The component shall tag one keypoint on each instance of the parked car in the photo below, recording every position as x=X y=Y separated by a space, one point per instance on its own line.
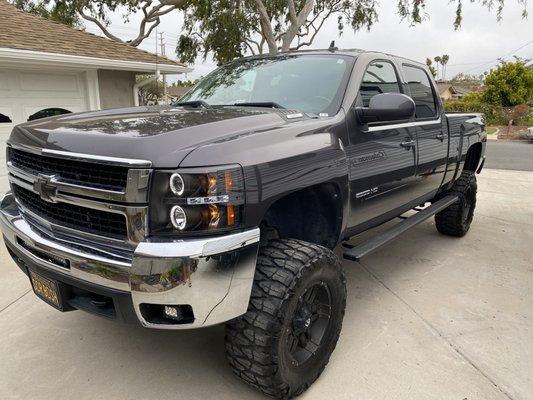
x=225 y=207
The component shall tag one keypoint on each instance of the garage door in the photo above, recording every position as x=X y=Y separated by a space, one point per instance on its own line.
x=24 y=93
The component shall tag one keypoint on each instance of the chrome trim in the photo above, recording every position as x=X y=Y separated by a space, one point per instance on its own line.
x=136 y=190
x=125 y=162
x=403 y=125
x=136 y=216
x=135 y=193
x=89 y=267
x=214 y=275
x=204 y=247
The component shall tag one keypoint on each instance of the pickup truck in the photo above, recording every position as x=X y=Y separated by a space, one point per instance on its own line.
x=225 y=207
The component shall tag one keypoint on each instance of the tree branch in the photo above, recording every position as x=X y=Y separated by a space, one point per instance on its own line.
x=266 y=27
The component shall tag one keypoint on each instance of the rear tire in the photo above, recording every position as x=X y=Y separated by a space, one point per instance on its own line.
x=456 y=219
x=284 y=341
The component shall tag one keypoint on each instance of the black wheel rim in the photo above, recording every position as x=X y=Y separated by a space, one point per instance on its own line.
x=309 y=323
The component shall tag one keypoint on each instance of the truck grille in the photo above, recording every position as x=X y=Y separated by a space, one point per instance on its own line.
x=106 y=177
x=84 y=219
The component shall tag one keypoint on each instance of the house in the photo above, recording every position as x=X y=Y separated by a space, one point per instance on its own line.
x=47 y=68
x=175 y=92
x=447 y=91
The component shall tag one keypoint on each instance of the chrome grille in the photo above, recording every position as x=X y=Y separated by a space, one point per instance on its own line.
x=73 y=216
x=96 y=198
x=106 y=177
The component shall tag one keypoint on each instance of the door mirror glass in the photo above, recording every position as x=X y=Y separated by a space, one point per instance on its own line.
x=387 y=107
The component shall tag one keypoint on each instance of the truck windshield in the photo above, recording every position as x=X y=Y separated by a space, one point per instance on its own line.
x=308 y=83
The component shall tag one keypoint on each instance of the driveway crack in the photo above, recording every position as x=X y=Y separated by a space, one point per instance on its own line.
x=14 y=301
x=436 y=332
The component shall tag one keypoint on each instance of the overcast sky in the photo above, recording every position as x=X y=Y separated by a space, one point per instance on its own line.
x=472 y=49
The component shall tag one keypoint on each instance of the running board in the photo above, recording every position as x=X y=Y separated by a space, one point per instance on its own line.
x=355 y=253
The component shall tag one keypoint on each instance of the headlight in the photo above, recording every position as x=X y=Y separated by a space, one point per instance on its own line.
x=196 y=200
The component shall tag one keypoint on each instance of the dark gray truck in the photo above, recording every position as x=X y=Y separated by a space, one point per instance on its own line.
x=225 y=207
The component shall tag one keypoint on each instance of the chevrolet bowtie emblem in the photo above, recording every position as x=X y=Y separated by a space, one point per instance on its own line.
x=45 y=188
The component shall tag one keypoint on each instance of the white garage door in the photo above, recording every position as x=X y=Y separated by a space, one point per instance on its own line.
x=26 y=92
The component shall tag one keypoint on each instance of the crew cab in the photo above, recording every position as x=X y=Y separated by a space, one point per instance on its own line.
x=225 y=207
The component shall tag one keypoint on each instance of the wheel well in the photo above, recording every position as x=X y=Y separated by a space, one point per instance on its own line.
x=312 y=214
x=472 y=157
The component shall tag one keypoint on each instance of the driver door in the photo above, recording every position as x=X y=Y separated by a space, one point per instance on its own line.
x=381 y=157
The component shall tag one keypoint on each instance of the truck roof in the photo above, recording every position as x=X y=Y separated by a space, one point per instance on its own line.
x=345 y=52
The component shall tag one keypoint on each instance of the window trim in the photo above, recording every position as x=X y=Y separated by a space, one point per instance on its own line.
x=438 y=110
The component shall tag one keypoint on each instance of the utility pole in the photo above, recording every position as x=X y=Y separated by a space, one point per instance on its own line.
x=162 y=41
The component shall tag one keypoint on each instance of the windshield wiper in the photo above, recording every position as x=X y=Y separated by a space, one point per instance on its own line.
x=192 y=103
x=267 y=104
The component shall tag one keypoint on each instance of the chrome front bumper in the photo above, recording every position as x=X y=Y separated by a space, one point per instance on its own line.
x=213 y=275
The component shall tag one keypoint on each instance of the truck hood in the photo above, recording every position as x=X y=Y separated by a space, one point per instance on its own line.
x=162 y=135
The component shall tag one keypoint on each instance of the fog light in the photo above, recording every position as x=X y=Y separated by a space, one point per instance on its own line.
x=178 y=217
x=172 y=312
x=177 y=185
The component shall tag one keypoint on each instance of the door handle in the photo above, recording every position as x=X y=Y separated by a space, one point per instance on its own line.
x=440 y=136
x=408 y=144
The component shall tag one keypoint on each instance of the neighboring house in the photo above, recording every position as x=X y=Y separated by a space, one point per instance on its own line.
x=447 y=91
x=47 y=68
x=175 y=92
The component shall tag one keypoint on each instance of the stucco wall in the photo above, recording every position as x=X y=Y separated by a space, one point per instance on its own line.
x=116 y=88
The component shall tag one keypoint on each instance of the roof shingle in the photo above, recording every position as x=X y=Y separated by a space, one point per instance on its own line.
x=23 y=31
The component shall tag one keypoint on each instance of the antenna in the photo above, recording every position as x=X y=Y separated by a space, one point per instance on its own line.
x=332 y=46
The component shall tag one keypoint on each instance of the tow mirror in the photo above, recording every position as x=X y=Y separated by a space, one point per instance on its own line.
x=387 y=107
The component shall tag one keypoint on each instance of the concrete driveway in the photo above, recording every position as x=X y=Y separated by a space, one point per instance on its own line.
x=428 y=317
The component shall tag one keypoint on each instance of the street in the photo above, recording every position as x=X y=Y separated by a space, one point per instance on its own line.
x=506 y=154
x=428 y=317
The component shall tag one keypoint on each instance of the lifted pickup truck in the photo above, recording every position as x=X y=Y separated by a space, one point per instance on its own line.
x=225 y=207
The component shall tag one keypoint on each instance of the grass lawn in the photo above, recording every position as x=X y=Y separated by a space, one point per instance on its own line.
x=491 y=130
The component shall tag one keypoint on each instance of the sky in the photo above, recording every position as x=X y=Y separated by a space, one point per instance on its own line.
x=473 y=49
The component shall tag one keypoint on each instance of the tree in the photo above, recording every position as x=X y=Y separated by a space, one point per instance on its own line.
x=74 y=12
x=433 y=70
x=152 y=92
x=438 y=60
x=231 y=28
x=58 y=11
x=444 y=60
x=510 y=84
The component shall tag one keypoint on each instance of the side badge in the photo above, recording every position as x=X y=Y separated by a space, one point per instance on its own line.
x=366 y=193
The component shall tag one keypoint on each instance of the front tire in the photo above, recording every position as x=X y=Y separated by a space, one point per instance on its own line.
x=456 y=219
x=284 y=341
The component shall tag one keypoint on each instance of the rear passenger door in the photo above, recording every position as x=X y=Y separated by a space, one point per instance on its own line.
x=431 y=129
x=381 y=156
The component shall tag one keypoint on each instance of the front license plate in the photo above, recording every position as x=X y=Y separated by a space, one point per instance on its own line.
x=46 y=289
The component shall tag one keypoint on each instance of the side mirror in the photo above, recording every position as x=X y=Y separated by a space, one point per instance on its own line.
x=387 y=107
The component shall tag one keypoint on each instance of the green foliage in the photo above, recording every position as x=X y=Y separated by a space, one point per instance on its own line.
x=509 y=85
x=505 y=97
x=432 y=69
x=229 y=28
x=224 y=27
x=473 y=102
x=59 y=11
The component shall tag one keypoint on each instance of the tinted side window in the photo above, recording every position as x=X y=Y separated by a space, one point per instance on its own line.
x=421 y=91
x=380 y=77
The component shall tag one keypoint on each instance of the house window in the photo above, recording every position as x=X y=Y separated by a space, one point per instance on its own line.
x=48 y=112
x=4 y=119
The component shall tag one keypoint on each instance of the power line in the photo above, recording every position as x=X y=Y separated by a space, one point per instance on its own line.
x=496 y=59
